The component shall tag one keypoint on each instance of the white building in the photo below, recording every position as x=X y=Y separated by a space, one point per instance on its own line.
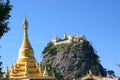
x=70 y=39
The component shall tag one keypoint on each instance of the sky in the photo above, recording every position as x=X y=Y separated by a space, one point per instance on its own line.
x=98 y=20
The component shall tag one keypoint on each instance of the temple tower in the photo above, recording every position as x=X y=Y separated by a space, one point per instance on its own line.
x=26 y=66
x=26 y=52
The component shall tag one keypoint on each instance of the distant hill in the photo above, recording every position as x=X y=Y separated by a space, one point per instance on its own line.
x=73 y=60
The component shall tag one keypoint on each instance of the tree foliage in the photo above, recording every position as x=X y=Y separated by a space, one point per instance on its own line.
x=90 y=60
x=52 y=71
x=53 y=49
x=110 y=73
x=5 y=9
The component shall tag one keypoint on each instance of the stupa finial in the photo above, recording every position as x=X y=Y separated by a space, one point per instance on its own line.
x=25 y=22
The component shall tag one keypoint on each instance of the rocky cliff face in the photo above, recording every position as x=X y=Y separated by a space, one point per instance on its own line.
x=73 y=60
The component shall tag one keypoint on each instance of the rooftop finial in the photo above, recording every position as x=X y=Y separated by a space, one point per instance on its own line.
x=25 y=23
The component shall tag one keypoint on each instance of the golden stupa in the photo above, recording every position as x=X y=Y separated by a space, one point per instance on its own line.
x=26 y=66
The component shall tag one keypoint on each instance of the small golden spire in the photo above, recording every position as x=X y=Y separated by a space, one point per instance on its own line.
x=37 y=65
x=40 y=69
x=12 y=70
x=45 y=73
x=7 y=73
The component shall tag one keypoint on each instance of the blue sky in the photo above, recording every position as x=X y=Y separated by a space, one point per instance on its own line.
x=98 y=20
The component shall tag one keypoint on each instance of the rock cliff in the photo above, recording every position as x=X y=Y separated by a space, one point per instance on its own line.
x=73 y=60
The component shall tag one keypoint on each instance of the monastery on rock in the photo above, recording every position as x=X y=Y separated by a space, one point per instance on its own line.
x=26 y=66
x=68 y=40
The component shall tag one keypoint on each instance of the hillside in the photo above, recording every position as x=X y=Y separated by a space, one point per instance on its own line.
x=73 y=60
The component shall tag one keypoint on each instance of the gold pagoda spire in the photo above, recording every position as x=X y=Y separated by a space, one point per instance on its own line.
x=26 y=67
x=45 y=73
x=7 y=73
x=26 y=50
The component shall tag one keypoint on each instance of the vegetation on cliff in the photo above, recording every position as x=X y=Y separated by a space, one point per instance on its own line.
x=73 y=60
x=52 y=72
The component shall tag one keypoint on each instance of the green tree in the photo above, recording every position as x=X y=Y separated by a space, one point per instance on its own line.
x=91 y=60
x=5 y=9
x=52 y=71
